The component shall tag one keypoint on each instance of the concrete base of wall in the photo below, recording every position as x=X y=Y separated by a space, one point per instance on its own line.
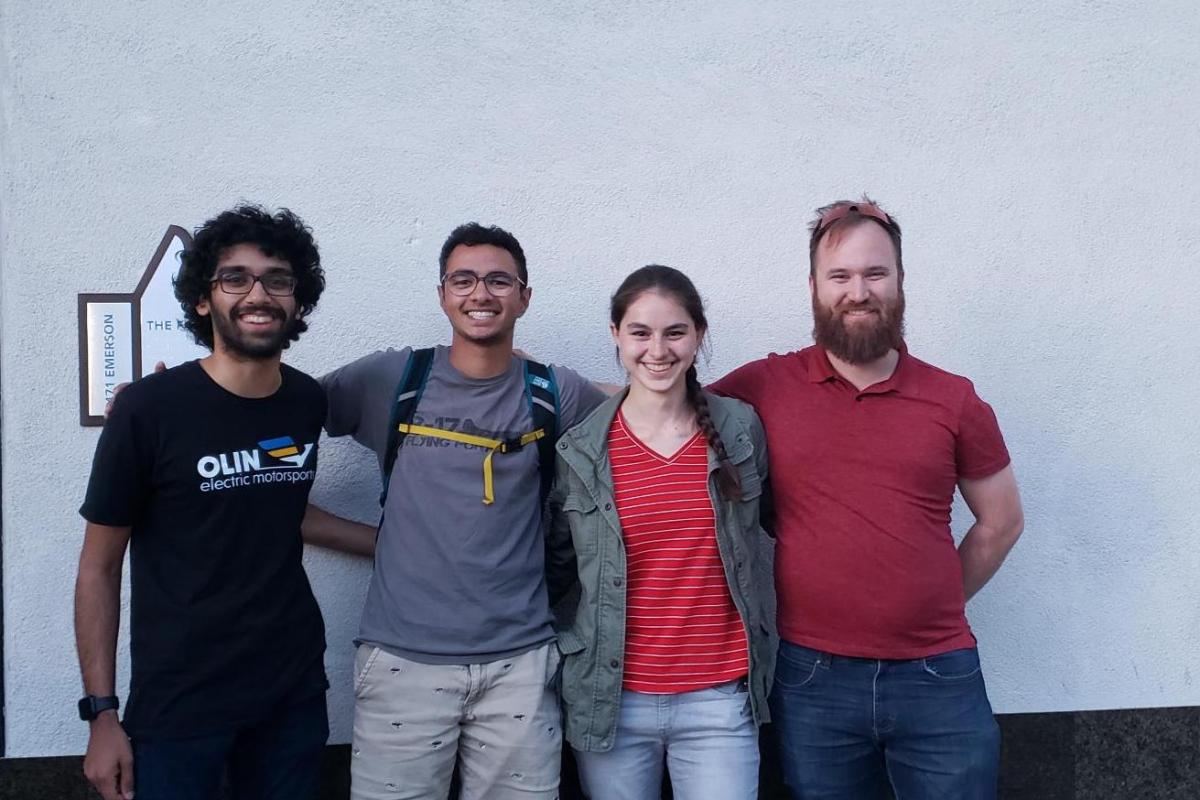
x=1137 y=754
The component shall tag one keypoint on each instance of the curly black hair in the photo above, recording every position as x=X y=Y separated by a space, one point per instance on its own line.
x=281 y=235
x=472 y=233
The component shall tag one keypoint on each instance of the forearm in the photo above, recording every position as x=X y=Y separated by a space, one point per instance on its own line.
x=327 y=530
x=982 y=551
x=97 y=619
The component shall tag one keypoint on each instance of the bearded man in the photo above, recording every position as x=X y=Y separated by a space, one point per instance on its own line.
x=203 y=472
x=878 y=681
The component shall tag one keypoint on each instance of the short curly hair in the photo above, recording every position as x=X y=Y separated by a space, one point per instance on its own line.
x=280 y=235
x=472 y=234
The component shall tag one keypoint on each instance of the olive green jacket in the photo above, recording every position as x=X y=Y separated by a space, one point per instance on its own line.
x=592 y=617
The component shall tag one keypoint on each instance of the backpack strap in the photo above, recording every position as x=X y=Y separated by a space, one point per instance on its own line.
x=542 y=392
x=404 y=406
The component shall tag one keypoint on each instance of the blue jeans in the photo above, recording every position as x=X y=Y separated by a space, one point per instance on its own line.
x=708 y=737
x=850 y=727
x=278 y=759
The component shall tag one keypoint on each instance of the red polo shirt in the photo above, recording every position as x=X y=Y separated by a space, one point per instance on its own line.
x=865 y=564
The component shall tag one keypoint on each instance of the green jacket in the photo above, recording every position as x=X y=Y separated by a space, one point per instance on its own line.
x=592 y=637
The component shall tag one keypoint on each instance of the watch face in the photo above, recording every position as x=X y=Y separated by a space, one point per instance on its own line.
x=91 y=706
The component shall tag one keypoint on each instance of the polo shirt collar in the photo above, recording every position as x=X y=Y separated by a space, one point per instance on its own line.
x=820 y=369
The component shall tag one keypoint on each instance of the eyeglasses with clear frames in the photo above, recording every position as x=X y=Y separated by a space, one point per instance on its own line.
x=276 y=284
x=498 y=284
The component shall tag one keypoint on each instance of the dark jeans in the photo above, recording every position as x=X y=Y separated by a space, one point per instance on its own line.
x=279 y=759
x=850 y=727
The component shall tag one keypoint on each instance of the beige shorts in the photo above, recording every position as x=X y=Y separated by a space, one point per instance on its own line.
x=499 y=722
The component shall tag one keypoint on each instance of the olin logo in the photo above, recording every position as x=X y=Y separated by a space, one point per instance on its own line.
x=237 y=462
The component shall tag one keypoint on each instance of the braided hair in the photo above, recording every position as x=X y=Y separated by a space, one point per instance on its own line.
x=672 y=282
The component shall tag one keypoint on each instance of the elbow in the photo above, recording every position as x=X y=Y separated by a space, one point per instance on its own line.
x=1015 y=527
x=998 y=533
x=1003 y=533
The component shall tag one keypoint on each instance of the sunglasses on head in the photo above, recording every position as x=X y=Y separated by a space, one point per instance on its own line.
x=865 y=209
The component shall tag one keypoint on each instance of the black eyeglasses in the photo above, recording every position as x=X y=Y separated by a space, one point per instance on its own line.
x=498 y=284
x=276 y=284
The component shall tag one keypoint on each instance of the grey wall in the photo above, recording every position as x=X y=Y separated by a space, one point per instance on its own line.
x=1042 y=160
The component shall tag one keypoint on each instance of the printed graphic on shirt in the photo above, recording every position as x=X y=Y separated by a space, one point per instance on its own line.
x=454 y=424
x=277 y=460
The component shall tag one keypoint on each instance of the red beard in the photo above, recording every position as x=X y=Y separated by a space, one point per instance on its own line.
x=865 y=341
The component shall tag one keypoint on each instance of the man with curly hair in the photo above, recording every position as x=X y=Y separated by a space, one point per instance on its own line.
x=203 y=471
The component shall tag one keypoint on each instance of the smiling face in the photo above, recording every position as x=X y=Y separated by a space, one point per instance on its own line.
x=657 y=341
x=858 y=295
x=481 y=317
x=252 y=326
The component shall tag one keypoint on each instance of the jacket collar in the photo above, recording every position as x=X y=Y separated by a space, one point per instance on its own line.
x=590 y=437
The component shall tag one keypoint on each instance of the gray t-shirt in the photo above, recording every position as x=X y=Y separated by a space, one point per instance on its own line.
x=455 y=581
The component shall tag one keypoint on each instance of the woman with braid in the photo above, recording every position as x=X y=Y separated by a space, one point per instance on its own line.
x=666 y=652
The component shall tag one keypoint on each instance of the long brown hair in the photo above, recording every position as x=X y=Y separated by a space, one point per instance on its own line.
x=672 y=282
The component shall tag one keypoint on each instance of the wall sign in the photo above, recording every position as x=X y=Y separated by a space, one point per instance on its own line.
x=121 y=336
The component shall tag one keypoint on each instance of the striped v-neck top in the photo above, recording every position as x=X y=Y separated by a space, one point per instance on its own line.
x=682 y=631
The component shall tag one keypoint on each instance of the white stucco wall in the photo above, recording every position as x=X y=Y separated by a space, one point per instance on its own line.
x=1042 y=159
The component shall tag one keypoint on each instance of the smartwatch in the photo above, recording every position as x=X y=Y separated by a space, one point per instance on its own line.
x=91 y=706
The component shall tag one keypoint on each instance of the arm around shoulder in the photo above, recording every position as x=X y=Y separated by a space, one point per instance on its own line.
x=352 y=388
x=332 y=532
x=578 y=396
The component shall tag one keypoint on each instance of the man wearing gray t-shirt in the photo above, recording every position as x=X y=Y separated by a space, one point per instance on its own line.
x=456 y=657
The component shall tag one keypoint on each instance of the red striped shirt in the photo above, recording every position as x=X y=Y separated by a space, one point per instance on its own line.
x=682 y=630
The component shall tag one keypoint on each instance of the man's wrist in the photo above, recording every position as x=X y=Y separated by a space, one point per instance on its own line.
x=92 y=706
x=106 y=718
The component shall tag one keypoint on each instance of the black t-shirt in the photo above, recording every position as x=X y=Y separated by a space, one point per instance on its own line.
x=224 y=628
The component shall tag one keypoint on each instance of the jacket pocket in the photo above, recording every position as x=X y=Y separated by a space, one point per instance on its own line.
x=750 y=479
x=752 y=489
x=580 y=510
x=579 y=502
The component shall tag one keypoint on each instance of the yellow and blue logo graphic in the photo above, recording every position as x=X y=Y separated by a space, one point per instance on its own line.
x=284 y=448
x=278 y=448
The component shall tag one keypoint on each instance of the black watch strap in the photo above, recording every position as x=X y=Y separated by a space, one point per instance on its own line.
x=91 y=706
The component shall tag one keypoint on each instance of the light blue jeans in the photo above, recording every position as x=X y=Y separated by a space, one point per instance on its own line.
x=708 y=737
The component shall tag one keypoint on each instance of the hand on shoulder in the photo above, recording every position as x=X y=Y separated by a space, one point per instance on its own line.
x=159 y=366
